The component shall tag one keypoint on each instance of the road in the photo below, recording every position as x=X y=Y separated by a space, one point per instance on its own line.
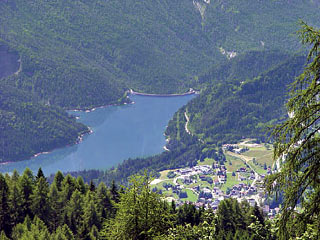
x=187 y=122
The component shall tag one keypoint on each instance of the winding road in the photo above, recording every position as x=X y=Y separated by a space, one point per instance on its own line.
x=187 y=122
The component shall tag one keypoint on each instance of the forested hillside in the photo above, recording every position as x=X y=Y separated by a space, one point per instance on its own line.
x=28 y=127
x=80 y=54
x=242 y=106
x=9 y=61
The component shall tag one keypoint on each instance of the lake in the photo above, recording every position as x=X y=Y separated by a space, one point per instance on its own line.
x=119 y=133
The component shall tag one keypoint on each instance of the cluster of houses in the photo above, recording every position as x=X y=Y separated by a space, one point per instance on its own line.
x=214 y=203
x=234 y=148
x=216 y=175
x=221 y=172
x=243 y=174
x=203 y=171
x=196 y=170
x=212 y=196
x=242 y=190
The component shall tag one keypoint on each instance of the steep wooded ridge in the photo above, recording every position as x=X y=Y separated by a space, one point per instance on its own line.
x=81 y=54
x=244 y=106
x=28 y=127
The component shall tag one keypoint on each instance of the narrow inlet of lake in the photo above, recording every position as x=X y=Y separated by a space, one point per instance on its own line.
x=119 y=133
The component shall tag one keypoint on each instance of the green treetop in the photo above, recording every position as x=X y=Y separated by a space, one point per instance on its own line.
x=297 y=147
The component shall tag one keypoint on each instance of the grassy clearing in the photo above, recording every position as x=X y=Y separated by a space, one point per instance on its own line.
x=258 y=148
x=257 y=153
x=170 y=194
x=267 y=158
x=257 y=168
x=262 y=155
x=163 y=174
x=231 y=180
x=192 y=197
x=160 y=184
x=236 y=163
x=204 y=184
x=207 y=161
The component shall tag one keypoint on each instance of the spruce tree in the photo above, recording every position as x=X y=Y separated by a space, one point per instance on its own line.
x=40 y=174
x=68 y=187
x=40 y=200
x=114 y=192
x=94 y=233
x=91 y=216
x=104 y=204
x=26 y=183
x=58 y=179
x=56 y=206
x=74 y=211
x=4 y=206
x=81 y=185
x=15 y=176
x=15 y=204
x=92 y=187
x=67 y=232
x=140 y=213
x=3 y=236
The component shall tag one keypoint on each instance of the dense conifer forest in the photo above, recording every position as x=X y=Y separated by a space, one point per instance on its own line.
x=28 y=127
x=243 y=104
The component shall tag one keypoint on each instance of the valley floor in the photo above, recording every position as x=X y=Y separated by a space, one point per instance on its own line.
x=207 y=183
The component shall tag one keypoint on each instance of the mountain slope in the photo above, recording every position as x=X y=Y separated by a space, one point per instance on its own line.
x=81 y=54
x=242 y=107
x=27 y=127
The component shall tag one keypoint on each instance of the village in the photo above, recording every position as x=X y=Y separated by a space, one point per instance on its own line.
x=209 y=182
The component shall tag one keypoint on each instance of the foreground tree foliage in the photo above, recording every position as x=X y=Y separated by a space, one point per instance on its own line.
x=31 y=208
x=141 y=214
x=297 y=149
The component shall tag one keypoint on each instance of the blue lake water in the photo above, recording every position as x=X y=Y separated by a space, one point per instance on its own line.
x=119 y=133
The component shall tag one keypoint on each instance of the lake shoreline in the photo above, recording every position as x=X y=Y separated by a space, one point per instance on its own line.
x=79 y=140
x=129 y=94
